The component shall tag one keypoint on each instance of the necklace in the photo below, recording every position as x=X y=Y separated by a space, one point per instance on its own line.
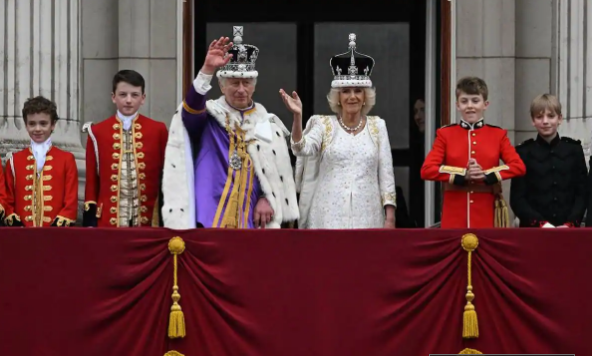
x=351 y=129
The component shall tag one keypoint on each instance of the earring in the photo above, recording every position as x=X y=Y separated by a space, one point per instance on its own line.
x=364 y=104
x=338 y=103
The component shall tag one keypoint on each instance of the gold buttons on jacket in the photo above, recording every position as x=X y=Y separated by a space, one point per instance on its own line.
x=142 y=176
x=114 y=178
x=141 y=165
x=138 y=135
x=143 y=198
x=116 y=137
x=29 y=177
x=144 y=220
x=142 y=187
x=140 y=155
x=139 y=145
x=113 y=199
x=114 y=188
x=116 y=127
x=113 y=221
x=474 y=142
x=138 y=126
x=113 y=210
x=30 y=158
x=472 y=152
x=30 y=167
x=116 y=146
x=28 y=187
x=115 y=155
x=143 y=209
x=29 y=218
x=114 y=166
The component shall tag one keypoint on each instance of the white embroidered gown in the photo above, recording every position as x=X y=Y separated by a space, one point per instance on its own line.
x=355 y=176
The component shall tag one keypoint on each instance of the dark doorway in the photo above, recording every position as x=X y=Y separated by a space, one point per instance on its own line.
x=296 y=43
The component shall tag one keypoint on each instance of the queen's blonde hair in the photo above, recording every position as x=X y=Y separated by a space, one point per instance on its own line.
x=369 y=99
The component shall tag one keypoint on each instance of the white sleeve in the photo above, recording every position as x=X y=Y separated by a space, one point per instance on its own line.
x=311 y=141
x=201 y=83
x=386 y=174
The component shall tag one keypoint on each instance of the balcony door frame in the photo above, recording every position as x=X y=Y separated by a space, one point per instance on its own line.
x=440 y=60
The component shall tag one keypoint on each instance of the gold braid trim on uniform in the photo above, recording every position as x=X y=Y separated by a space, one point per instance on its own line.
x=87 y=204
x=176 y=318
x=463 y=352
x=10 y=219
x=469 y=243
x=497 y=169
x=63 y=221
x=453 y=170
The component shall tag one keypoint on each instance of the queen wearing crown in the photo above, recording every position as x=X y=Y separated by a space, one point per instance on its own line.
x=227 y=163
x=344 y=170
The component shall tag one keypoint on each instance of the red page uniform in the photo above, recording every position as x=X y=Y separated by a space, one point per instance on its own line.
x=41 y=196
x=123 y=172
x=471 y=204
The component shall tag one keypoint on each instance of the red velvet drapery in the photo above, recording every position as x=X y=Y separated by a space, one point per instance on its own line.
x=97 y=292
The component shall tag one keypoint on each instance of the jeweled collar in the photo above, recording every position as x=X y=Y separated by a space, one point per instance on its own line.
x=468 y=126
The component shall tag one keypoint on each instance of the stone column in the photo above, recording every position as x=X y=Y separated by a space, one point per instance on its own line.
x=574 y=68
x=39 y=45
x=534 y=60
x=485 y=47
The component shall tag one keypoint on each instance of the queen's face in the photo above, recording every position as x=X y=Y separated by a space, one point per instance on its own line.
x=352 y=100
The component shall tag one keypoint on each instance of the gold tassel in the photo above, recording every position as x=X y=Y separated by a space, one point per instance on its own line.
x=469 y=243
x=176 y=318
x=502 y=215
x=463 y=352
x=173 y=353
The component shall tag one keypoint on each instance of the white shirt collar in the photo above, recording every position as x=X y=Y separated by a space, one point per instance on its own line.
x=40 y=152
x=126 y=120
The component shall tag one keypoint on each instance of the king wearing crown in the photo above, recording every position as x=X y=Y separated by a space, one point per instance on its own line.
x=227 y=163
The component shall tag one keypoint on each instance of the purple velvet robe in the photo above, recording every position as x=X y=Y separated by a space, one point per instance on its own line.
x=211 y=142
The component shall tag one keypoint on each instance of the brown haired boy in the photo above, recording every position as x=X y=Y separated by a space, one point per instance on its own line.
x=465 y=157
x=41 y=180
x=553 y=192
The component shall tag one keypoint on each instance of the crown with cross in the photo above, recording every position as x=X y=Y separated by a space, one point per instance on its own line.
x=242 y=64
x=351 y=69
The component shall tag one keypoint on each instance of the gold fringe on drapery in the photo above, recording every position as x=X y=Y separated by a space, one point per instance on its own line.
x=469 y=243
x=465 y=352
x=176 y=318
x=173 y=353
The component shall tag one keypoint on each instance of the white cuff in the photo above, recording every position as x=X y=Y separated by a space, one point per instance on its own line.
x=297 y=146
x=201 y=83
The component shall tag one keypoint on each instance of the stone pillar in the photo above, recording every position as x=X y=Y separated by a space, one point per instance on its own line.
x=39 y=44
x=485 y=38
x=534 y=59
x=574 y=68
